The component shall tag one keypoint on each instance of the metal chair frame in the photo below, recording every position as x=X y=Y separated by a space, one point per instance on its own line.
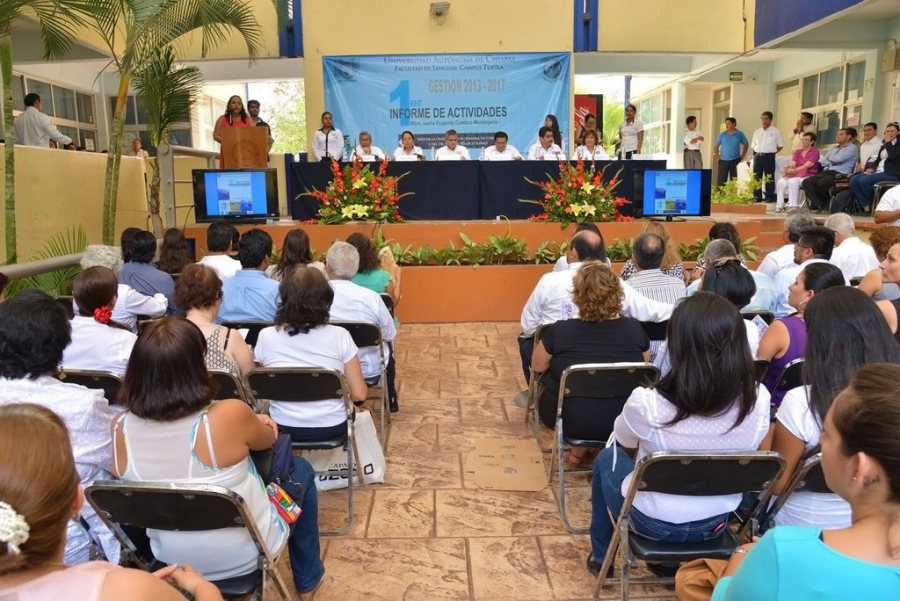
x=106 y=381
x=253 y=329
x=232 y=512
x=230 y=386
x=593 y=387
x=388 y=301
x=808 y=478
x=300 y=394
x=790 y=377
x=534 y=394
x=642 y=480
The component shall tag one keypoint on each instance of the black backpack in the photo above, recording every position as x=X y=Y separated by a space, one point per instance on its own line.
x=843 y=202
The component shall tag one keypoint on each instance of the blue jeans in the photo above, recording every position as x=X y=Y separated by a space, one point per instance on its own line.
x=303 y=545
x=863 y=186
x=607 y=496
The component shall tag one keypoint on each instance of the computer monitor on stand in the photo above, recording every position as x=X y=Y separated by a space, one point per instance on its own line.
x=672 y=194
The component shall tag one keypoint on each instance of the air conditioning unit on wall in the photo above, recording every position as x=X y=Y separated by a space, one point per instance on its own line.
x=891 y=60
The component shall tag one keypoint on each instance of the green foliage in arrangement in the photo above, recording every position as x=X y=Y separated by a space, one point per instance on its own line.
x=733 y=193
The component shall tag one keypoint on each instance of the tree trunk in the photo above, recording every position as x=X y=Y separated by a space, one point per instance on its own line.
x=113 y=161
x=155 y=217
x=10 y=202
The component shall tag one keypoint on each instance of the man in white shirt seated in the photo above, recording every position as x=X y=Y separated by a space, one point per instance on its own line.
x=451 y=150
x=502 y=150
x=870 y=145
x=796 y=222
x=562 y=263
x=218 y=245
x=545 y=149
x=815 y=246
x=724 y=250
x=851 y=255
x=888 y=208
x=355 y=303
x=365 y=151
x=33 y=128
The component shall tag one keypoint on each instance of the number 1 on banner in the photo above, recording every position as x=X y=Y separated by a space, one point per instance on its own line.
x=401 y=94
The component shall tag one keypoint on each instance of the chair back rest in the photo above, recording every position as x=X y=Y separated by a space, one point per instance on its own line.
x=809 y=478
x=766 y=316
x=790 y=377
x=298 y=385
x=388 y=301
x=364 y=333
x=106 y=381
x=703 y=474
x=68 y=303
x=762 y=368
x=656 y=331
x=229 y=385
x=253 y=329
x=855 y=282
x=605 y=380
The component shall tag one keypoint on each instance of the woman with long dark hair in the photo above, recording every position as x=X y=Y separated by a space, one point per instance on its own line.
x=631 y=134
x=235 y=116
x=173 y=255
x=553 y=123
x=709 y=401
x=845 y=331
x=296 y=252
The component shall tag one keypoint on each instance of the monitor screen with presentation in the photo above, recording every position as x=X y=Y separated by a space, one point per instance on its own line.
x=235 y=194
x=672 y=193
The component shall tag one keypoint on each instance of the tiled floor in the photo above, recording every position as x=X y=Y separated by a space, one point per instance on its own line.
x=428 y=533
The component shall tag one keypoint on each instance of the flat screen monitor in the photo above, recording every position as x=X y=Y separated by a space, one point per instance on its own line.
x=241 y=195
x=672 y=193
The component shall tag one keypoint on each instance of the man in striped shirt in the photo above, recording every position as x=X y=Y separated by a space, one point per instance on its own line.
x=647 y=255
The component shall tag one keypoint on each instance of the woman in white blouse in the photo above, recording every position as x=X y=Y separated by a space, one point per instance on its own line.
x=302 y=337
x=98 y=342
x=709 y=401
x=845 y=330
x=591 y=150
x=408 y=151
x=631 y=134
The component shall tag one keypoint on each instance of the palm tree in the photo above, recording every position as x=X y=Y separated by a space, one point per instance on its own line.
x=134 y=29
x=57 y=19
x=169 y=92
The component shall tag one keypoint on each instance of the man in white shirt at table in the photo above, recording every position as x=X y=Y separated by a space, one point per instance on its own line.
x=355 y=303
x=328 y=141
x=33 y=128
x=502 y=150
x=451 y=150
x=794 y=225
x=851 y=255
x=545 y=149
x=365 y=151
x=765 y=144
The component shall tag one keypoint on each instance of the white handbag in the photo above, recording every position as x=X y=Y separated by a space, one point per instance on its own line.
x=369 y=461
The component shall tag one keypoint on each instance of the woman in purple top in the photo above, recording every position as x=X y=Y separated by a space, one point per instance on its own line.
x=804 y=163
x=785 y=340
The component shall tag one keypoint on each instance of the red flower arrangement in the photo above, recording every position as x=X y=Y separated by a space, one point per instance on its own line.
x=359 y=194
x=579 y=195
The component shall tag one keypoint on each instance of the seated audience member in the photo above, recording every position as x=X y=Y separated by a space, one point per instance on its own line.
x=39 y=493
x=851 y=255
x=173 y=253
x=370 y=274
x=502 y=150
x=709 y=401
x=355 y=303
x=451 y=150
x=886 y=168
x=98 y=342
x=142 y=275
x=235 y=243
x=671 y=263
x=598 y=335
x=365 y=151
x=891 y=273
x=869 y=147
x=218 y=246
x=873 y=284
x=302 y=337
x=199 y=292
x=859 y=457
x=888 y=208
x=129 y=302
x=172 y=432
x=804 y=163
x=591 y=150
x=545 y=149
x=125 y=240
x=723 y=250
x=296 y=252
x=846 y=331
x=785 y=340
x=815 y=246
x=250 y=295
x=840 y=160
x=719 y=231
x=562 y=263
x=795 y=223
x=34 y=332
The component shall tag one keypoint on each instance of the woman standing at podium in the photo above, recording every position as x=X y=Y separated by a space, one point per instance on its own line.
x=235 y=116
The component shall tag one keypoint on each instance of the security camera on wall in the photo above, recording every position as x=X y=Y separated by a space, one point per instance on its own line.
x=439 y=9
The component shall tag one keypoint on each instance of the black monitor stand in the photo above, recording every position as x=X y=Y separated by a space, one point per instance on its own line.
x=669 y=218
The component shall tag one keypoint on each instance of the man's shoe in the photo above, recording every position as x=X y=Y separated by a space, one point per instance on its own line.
x=523 y=399
x=594 y=566
x=393 y=405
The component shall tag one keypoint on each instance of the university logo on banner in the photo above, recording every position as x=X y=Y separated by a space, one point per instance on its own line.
x=475 y=94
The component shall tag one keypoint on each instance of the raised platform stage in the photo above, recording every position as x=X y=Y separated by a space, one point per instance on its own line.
x=434 y=294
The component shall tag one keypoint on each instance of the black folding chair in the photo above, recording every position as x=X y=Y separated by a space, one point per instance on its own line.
x=855 y=282
x=534 y=392
x=184 y=508
x=656 y=331
x=305 y=385
x=809 y=478
x=68 y=303
x=230 y=386
x=388 y=301
x=610 y=385
x=766 y=316
x=366 y=334
x=762 y=368
x=253 y=329
x=106 y=381
x=790 y=377
x=695 y=474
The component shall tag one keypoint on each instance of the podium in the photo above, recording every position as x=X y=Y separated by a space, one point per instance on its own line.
x=245 y=147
